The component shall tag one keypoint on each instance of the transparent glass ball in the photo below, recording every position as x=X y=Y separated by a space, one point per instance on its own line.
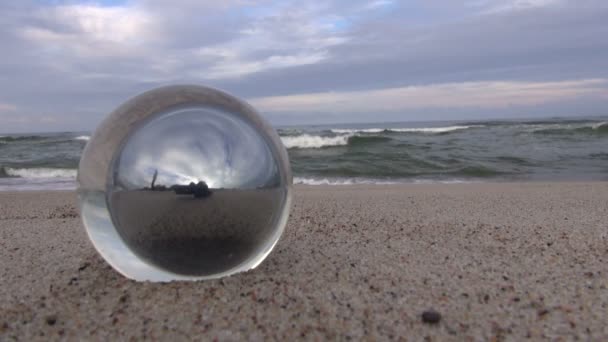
x=184 y=182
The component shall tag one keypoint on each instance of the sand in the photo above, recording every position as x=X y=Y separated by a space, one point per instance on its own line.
x=497 y=261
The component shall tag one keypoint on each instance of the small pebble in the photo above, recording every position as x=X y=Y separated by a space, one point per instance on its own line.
x=542 y=312
x=51 y=320
x=431 y=317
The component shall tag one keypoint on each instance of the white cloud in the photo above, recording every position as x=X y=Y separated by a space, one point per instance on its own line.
x=378 y=3
x=114 y=24
x=281 y=38
x=232 y=65
x=448 y=95
x=91 y=30
x=496 y=6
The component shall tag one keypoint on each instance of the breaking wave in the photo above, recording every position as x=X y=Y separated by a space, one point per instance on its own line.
x=39 y=173
x=21 y=138
x=405 y=130
x=314 y=141
x=346 y=136
x=600 y=128
x=372 y=181
x=41 y=138
x=339 y=181
x=317 y=141
x=344 y=154
x=352 y=131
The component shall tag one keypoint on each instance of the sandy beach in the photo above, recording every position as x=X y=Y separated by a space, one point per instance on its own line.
x=497 y=261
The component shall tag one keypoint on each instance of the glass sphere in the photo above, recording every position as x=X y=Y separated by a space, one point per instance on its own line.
x=184 y=182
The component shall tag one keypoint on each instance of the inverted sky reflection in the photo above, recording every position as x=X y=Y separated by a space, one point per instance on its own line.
x=196 y=144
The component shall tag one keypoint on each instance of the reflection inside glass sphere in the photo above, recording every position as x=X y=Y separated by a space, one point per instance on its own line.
x=200 y=200
x=192 y=191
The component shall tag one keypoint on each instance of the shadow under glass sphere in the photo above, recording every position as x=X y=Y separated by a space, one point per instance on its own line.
x=184 y=182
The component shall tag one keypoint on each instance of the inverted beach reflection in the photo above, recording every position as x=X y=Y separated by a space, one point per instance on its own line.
x=195 y=191
x=181 y=242
x=194 y=236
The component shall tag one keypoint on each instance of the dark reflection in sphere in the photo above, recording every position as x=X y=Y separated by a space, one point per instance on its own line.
x=196 y=185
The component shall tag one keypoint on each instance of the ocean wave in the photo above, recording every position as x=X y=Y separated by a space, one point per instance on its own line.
x=341 y=181
x=367 y=139
x=41 y=138
x=314 y=141
x=601 y=155
x=83 y=138
x=435 y=129
x=529 y=122
x=348 y=136
x=21 y=138
x=40 y=173
x=445 y=181
x=372 y=181
x=289 y=131
x=405 y=130
x=600 y=128
x=352 y=131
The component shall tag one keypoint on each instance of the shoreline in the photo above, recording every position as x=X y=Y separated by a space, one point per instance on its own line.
x=496 y=260
x=381 y=184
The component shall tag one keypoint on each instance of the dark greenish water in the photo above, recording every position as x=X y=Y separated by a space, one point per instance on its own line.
x=559 y=149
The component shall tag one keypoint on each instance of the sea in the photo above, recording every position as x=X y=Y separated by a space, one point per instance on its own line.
x=371 y=153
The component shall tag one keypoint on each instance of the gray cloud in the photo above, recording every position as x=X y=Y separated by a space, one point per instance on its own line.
x=539 y=44
x=65 y=66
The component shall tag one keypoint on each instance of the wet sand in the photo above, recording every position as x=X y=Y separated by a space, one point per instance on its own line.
x=497 y=261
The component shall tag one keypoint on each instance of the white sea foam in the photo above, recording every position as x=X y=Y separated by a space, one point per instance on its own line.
x=435 y=129
x=339 y=181
x=351 y=131
x=406 y=130
x=41 y=173
x=371 y=181
x=314 y=141
x=83 y=138
x=444 y=181
x=317 y=141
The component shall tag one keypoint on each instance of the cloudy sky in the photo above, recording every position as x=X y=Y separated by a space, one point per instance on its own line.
x=66 y=64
